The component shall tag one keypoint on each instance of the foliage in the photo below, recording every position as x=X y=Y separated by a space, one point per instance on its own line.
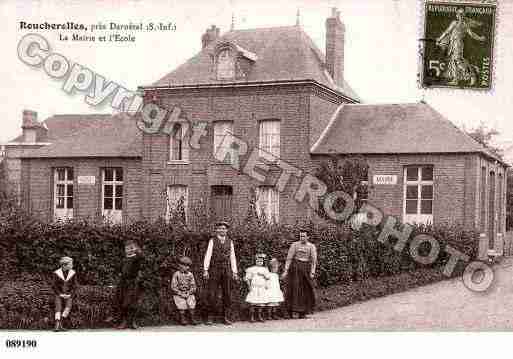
x=485 y=136
x=31 y=249
x=348 y=175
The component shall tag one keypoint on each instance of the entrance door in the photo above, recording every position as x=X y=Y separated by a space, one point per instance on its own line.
x=221 y=203
x=491 y=211
x=63 y=193
x=112 y=194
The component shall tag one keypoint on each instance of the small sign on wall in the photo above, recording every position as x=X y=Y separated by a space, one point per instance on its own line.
x=384 y=179
x=89 y=180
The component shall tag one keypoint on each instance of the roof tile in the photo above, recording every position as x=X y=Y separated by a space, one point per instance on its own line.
x=284 y=53
x=97 y=135
x=393 y=128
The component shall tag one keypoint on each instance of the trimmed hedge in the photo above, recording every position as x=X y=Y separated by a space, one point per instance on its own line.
x=31 y=249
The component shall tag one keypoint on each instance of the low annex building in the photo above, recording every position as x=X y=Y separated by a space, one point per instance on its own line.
x=273 y=88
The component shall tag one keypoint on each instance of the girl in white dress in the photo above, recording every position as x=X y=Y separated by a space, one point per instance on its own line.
x=274 y=293
x=256 y=277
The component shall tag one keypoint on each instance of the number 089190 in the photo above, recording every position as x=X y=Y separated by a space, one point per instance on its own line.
x=19 y=343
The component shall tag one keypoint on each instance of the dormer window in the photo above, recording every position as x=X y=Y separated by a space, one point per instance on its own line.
x=225 y=65
x=232 y=62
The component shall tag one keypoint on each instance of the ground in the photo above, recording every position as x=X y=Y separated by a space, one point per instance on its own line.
x=446 y=305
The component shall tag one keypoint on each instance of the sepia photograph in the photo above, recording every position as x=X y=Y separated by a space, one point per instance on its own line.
x=201 y=170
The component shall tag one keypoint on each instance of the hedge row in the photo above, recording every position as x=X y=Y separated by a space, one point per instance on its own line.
x=31 y=248
x=97 y=249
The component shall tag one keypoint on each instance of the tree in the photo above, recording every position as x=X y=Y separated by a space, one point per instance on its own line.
x=484 y=135
x=348 y=175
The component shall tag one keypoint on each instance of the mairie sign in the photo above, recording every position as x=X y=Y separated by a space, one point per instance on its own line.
x=87 y=180
x=384 y=179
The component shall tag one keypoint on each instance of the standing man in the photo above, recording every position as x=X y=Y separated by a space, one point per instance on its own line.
x=220 y=268
x=300 y=272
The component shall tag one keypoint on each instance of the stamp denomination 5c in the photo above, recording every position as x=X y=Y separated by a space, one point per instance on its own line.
x=459 y=45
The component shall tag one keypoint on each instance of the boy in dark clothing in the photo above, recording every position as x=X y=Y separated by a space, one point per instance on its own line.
x=64 y=284
x=129 y=290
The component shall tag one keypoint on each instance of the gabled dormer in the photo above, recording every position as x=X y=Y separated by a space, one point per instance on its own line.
x=231 y=61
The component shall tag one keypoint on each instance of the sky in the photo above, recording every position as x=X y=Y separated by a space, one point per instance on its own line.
x=381 y=52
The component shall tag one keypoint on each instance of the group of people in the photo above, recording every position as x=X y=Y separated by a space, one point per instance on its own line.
x=219 y=271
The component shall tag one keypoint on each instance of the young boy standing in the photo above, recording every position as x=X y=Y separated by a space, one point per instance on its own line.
x=129 y=290
x=183 y=286
x=64 y=284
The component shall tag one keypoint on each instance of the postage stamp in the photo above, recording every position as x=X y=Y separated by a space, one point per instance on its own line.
x=459 y=41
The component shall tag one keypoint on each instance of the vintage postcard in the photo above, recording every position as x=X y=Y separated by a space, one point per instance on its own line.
x=459 y=45
x=171 y=169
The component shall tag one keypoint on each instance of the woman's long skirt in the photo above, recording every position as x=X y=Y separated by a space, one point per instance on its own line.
x=300 y=289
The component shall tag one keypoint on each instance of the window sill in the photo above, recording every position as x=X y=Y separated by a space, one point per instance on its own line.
x=178 y=162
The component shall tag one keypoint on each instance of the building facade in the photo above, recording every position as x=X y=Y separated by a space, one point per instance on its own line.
x=276 y=91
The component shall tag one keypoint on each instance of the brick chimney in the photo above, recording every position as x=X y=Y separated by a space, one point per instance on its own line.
x=211 y=34
x=335 y=31
x=31 y=128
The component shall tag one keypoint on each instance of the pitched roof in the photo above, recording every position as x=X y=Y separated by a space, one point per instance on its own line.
x=283 y=54
x=90 y=136
x=393 y=128
x=59 y=126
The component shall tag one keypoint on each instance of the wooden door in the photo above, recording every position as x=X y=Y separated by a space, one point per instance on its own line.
x=221 y=203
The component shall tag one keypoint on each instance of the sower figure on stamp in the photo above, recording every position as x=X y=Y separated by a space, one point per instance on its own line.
x=64 y=284
x=220 y=268
x=300 y=272
x=129 y=290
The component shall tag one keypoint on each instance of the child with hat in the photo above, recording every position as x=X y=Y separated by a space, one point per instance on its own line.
x=256 y=277
x=64 y=284
x=183 y=286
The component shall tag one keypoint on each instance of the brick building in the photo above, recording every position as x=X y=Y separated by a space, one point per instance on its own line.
x=275 y=90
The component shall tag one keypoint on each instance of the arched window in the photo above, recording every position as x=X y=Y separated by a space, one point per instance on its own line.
x=178 y=146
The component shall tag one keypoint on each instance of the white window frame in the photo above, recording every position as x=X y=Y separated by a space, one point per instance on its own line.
x=172 y=203
x=225 y=66
x=269 y=133
x=418 y=217
x=221 y=129
x=264 y=203
x=113 y=215
x=184 y=142
x=64 y=213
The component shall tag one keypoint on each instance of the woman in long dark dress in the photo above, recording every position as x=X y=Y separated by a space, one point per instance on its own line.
x=299 y=272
